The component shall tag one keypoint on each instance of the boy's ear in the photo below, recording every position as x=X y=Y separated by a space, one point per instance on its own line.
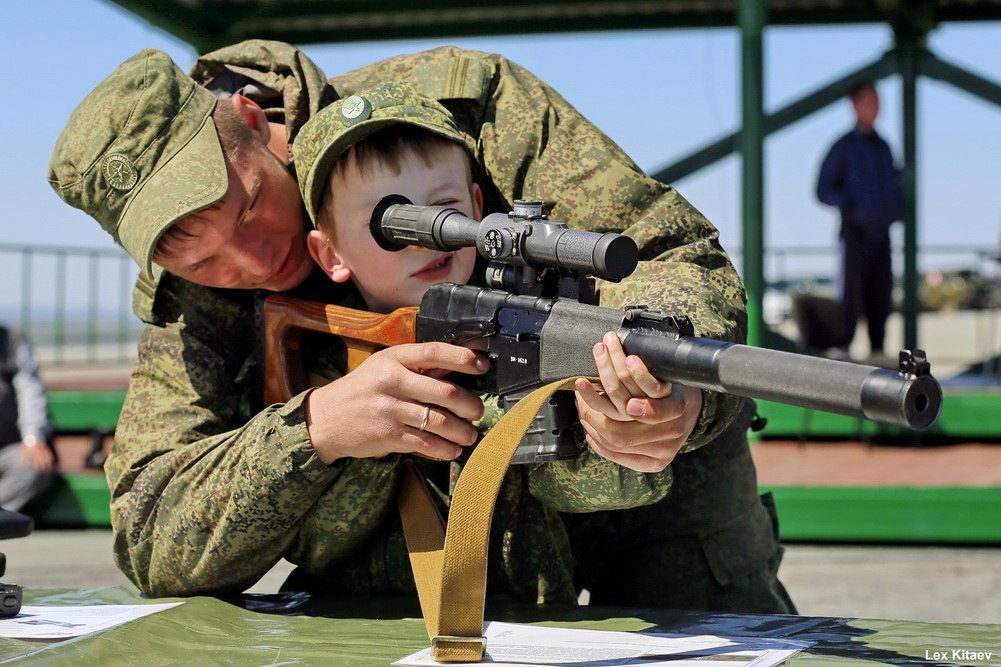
x=477 y=193
x=326 y=256
x=252 y=115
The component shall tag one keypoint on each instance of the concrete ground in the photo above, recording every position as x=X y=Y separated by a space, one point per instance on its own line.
x=961 y=585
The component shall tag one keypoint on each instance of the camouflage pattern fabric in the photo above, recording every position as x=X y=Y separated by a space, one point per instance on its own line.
x=209 y=490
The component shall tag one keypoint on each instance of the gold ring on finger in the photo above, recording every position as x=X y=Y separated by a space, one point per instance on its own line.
x=425 y=415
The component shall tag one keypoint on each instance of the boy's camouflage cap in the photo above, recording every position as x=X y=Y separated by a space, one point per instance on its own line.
x=140 y=153
x=344 y=123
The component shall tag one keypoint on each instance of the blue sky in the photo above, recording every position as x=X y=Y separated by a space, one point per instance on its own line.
x=659 y=94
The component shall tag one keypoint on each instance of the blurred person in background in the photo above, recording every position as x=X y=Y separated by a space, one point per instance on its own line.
x=26 y=459
x=858 y=176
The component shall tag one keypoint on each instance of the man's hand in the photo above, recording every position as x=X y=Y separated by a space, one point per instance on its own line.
x=635 y=420
x=37 y=454
x=379 y=407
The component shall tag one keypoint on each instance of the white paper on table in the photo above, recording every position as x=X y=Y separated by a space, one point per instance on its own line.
x=516 y=645
x=50 y=622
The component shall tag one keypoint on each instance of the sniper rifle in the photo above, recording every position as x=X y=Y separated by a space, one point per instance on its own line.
x=538 y=319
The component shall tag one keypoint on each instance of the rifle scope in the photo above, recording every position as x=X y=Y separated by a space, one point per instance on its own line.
x=522 y=238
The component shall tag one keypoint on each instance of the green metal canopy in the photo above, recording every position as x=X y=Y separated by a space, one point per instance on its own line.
x=209 y=24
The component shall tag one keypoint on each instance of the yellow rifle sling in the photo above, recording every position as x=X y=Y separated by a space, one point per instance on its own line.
x=450 y=564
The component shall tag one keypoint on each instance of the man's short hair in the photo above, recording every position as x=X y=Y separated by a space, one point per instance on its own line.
x=859 y=88
x=234 y=133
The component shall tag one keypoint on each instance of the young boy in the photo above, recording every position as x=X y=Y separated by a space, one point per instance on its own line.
x=411 y=149
x=389 y=140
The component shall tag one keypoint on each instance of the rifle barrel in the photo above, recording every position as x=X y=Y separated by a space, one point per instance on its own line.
x=857 y=390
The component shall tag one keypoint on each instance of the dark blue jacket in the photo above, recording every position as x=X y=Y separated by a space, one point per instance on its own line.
x=859 y=178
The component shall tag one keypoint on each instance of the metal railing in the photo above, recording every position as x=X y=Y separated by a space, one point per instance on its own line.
x=75 y=303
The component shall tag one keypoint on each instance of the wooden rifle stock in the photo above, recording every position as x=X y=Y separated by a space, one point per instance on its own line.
x=285 y=318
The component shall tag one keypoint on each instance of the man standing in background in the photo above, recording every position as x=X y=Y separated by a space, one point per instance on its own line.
x=859 y=177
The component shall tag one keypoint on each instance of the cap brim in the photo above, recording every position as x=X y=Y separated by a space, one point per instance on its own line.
x=316 y=180
x=194 y=178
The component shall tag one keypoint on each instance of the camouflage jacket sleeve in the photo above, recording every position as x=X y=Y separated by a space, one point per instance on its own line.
x=532 y=144
x=207 y=495
x=588 y=483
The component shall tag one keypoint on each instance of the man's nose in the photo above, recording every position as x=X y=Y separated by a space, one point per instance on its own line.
x=253 y=260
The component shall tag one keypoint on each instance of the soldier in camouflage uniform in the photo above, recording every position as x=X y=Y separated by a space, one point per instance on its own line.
x=210 y=489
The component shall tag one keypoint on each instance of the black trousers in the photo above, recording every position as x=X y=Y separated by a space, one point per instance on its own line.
x=866 y=287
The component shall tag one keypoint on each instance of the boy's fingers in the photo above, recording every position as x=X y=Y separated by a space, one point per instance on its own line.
x=589 y=400
x=647 y=384
x=617 y=356
x=611 y=383
x=633 y=461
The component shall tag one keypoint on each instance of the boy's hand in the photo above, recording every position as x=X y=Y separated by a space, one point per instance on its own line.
x=635 y=420
x=378 y=408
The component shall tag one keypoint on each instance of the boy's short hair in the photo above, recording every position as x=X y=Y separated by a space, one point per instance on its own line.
x=345 y=123
x=385 y=149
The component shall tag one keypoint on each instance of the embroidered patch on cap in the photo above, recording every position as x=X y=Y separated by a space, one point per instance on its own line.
x=119 y=172
x=355 y=109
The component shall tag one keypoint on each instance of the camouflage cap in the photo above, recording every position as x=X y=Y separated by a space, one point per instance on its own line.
x=140 y=153
x=344 y=123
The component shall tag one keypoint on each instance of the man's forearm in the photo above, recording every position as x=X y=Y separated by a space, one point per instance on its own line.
x=212 y=514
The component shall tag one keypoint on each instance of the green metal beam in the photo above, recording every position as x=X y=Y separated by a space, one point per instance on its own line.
x=85 y=410
x=193 y=24
x=962 y=417
x=78 y=500
x=958 y=515
x=935 y=68
x=208 y=24
x=752 y=20
x=805 y=106
x=910 y=48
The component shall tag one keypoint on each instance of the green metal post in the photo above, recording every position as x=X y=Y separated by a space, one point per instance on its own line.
x=751 y=19
x=60 y=314
x=92 y=310
x=123 y=301
x=26 y=291
x=808 y=104
x=910 y=50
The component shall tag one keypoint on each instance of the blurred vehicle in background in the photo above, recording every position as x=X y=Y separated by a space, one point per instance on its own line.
x=940 y=289
x=777 y=304
x=958 y=289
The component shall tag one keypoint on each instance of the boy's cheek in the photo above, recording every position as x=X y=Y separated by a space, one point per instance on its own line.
x=466 y=261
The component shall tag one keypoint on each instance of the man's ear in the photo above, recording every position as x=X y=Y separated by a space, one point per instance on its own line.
x=477 y=193
x=252 y=115
x=326 y=256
